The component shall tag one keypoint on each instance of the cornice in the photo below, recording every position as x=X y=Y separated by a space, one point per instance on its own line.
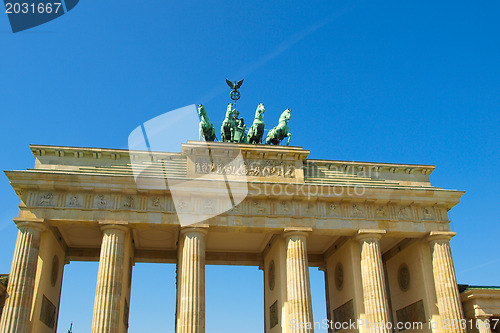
x=247 y=150
x=479 y=293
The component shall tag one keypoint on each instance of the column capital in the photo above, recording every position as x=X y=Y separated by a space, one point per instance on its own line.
x=484 y=316
x=199 y=228
x=37 y=224
x=296 y=231
x=117 y=225
x=440 y=236
x=364 y=234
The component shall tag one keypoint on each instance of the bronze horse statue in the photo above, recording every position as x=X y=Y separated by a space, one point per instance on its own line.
x=207 y=130
x=278 y=133
x=228 y=125
x=256 y=132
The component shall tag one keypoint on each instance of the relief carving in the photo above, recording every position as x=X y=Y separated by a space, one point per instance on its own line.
x=344 y=314
x=413 y=313
x=155 y=202
x=381 y=211
x=209 y=206
x=46 y=199
x=309 y=209
x=259 y=207
x=256 y=168
x=358 y=210
x=101 y=201
x=182 y=205
x=428 y=213
x=273 y=315
x=48 y=313
x=404 y=212
x=333 y=209
x=284 y=208
x=73 y=201
x=129 y=202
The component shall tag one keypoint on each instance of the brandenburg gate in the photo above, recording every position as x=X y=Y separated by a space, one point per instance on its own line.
x=379 y=231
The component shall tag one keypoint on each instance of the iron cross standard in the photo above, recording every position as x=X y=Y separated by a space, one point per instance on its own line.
x=234 y=94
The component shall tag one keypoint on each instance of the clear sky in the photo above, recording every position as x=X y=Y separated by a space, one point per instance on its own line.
x=384 y=81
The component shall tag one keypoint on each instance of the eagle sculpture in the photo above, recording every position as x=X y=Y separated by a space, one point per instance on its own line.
x=234 y=85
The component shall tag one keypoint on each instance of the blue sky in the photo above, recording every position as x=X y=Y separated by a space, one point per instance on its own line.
x=392 y=81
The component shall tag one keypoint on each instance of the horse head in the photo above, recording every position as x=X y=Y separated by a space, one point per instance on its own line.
x=201 y=110
x=259 y=113
x=286 y=115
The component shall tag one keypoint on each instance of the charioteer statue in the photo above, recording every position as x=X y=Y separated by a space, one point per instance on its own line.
x=233 y=127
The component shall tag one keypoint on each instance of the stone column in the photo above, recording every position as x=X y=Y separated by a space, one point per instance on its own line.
x=17 y=309
x=297 y=281
x=109 y=280
x=445 y=281
x=483 y=324
x=373 y=281
x=191 y=281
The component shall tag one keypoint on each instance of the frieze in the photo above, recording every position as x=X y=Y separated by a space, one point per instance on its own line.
x=283 y=207
x=250 y=167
